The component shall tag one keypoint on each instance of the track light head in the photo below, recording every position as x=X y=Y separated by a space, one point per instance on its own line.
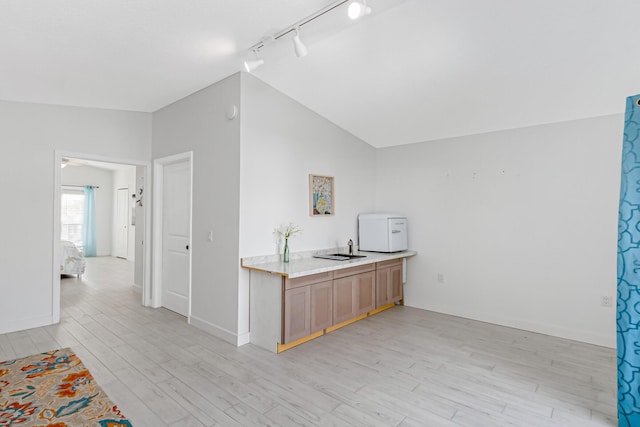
x=299 y=47
x=358 y=9
x=252 y=64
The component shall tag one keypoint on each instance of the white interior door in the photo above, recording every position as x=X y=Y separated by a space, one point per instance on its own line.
x=176 y=236
x=121 y=231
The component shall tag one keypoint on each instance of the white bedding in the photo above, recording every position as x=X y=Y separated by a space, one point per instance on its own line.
x=71 y=260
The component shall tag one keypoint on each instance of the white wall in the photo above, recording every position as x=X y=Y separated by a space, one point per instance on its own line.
x=29 y=135
x=198 y=123
x=250 y=175
x=282 y=143
x=103 y=178
x=521 y=223
x=140 y=207
x=125 y=177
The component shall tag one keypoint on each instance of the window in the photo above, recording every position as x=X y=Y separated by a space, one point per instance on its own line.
x=72 y=216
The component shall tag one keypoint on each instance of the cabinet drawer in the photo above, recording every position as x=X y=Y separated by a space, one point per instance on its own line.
x=307 y=280
x=389 y=263
x=352 y=271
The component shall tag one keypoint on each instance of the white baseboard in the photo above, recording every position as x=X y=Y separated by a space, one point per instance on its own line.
x=244 y=339
x=217 y=331
x=22 y=324
x=608 y=340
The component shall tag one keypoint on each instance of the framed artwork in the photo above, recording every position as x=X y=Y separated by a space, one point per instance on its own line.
x=321 y=195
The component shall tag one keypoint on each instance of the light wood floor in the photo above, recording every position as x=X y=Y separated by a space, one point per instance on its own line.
x=403 y=367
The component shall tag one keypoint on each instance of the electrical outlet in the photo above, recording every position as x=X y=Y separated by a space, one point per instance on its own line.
x=440 y=278
x=606 y=301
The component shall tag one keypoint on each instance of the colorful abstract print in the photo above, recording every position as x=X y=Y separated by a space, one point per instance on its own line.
x=54 y=389
x=628 y=307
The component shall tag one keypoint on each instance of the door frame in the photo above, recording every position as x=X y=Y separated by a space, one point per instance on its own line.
x=146 y=266
x=158 y=213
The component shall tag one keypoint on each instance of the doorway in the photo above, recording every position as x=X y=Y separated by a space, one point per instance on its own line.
x=173 y=183
x=115 y=203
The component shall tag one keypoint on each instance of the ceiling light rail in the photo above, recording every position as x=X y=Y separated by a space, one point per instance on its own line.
x=299 y=47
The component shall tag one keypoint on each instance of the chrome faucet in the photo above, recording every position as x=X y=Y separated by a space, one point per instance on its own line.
x=350 y=247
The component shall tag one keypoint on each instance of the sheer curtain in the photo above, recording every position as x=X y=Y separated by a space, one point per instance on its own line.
x=628 y=306
x=89 y=235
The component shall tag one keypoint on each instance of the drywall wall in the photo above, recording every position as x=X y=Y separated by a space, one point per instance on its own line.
x=282 y=143
x=140 y=206
x=199 y=123
x=521 y=225
x=251 y=175
x=30 y=135
x=102 y=178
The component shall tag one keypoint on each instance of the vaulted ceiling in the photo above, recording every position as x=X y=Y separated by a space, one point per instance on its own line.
x=412 y=71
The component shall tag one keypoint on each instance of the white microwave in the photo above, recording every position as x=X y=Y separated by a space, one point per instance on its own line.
x=382 y=232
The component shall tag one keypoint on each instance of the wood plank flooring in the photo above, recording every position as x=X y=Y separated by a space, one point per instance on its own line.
x=402 y=367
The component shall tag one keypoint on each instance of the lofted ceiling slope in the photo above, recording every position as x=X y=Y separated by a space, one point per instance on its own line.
x=414 y=70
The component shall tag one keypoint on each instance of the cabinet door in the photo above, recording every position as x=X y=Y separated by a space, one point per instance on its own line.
x=389 y=282
x=344 y=299
x=383 y=285
x=297 y=313
x=396 y=288
x=366 y=287
x=321 y=306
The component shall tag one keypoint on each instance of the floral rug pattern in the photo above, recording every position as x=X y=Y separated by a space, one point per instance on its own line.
x=54 y=389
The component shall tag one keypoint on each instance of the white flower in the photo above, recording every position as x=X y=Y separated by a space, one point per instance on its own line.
x=288 y=231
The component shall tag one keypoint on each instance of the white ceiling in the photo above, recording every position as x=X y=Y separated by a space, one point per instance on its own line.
x=414 y=70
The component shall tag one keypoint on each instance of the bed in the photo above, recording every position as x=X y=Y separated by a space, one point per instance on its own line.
x=71 y=260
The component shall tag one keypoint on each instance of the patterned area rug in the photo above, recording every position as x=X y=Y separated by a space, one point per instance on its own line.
x=54 y=389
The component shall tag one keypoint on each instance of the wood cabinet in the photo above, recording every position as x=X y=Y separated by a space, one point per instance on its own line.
x=353 y=292
x=313 y=303
x=321 y=306
x=344 y=299
x=285 y=312
x=388 y=282
x=366 y=292
x=297 y=313
x=308 y=305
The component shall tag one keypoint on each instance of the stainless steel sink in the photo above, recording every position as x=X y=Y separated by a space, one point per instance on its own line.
x=338 y=257
x=350 y=256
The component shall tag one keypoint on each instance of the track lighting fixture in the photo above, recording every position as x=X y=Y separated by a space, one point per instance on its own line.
x=299 y=47
x=355 y=10
x=358 y=9
x=250 y=65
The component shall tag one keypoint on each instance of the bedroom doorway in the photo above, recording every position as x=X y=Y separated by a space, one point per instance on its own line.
x=119 y=218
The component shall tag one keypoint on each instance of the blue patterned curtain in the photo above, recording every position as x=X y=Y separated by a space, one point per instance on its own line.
x=89 y=225
x=628 y=315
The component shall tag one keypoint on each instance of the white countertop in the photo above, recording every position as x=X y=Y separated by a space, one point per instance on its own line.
x=303 y=264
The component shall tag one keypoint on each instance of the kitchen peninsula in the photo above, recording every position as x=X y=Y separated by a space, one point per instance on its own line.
x=292 y=303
